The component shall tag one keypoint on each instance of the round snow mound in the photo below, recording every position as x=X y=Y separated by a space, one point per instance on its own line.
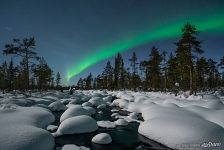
x=74 y=101
x=57 y=106
x=87 y=104
x=91 y=110
x=73 y=147
x=75 y=110
x=96 y=101
x=102 y=138
x=121 y=122
x=175 y=131
x=76 y=125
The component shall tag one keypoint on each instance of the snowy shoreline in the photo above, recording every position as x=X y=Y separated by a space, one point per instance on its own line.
x=179 y=122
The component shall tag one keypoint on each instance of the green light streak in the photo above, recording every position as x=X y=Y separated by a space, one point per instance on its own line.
x=171 y=30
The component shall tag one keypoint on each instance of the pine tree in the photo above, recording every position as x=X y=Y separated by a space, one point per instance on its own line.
x=221 y=65
x=134 y=76
x=212 y=73
x=172 y=72
x=58 y=79
x=4 y=76
x=201 y=69
x=108 y=76
x=80 y=83
x=189 y=45
x=89 y=81
x=153 y=68
x=164 y=69
x=43 y=74
x=25 y=49
x=11 y=76
x=119 y=72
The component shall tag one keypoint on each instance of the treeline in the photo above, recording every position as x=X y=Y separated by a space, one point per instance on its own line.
x=32 y=72
x=185 y=69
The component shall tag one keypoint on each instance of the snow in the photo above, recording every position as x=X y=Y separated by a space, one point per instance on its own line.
x=175 y=130
x=102 y=138
x=96 y=101
x=74 y=101
x=73 y=147
x=101 y=106
x=87 y=104
x=77 y=125
x=114 y=110
x=91 y=110
x=57 y=106
x=74 y=110
x=108 y=99
x=106 y=124
x=133 y=116
x=121 y=122
x=52 y=127
x=114 y=114
x=23 y=128
x=168 y=119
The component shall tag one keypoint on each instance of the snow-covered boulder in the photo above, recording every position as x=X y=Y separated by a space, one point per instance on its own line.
x=52 y=127
x=121 y=122
x=114 y=114
x=57 y=106
x=91 y=110
x=123 y=103
x=102 y=138
x=106 y=124
x=75 y=110
x=74 y=147
x=108 y=99
x=77 y=125
x=133 y=116
x=65 y=100
x=41 y=105
x=101 y=106
x=176 y=131
x=96 y=101
x=114 y=110
x=21 y=128
x=87 y=104
x=74 y=101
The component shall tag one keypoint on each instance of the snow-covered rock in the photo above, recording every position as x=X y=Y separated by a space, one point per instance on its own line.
x=108 y=99
x=52 y=127
x=74 y=147
x=75 y=110
x=23 y=128
x=114 y=114
x=133 y=116
x=121 y=122
x=87 y=104
x=57 y=106
x=77 y=125
x=176 y=131
x=101 y=106
x=102 y=138
x=91 y=110
x=96 y=101
x=106 y=124
x=74 y=101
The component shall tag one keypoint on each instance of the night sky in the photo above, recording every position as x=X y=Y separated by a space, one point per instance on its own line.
x=77 y=37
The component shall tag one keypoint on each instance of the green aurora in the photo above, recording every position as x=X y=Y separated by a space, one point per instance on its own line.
x=213 y=24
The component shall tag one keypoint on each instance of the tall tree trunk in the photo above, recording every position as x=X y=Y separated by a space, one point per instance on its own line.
x=27 y=71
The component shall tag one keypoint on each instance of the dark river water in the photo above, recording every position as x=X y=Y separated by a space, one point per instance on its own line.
x=124 y=137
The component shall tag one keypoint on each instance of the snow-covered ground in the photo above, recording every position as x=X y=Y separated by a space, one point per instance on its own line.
x=179 y=122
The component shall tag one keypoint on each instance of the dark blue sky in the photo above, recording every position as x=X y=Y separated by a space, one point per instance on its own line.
x=67 y=30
